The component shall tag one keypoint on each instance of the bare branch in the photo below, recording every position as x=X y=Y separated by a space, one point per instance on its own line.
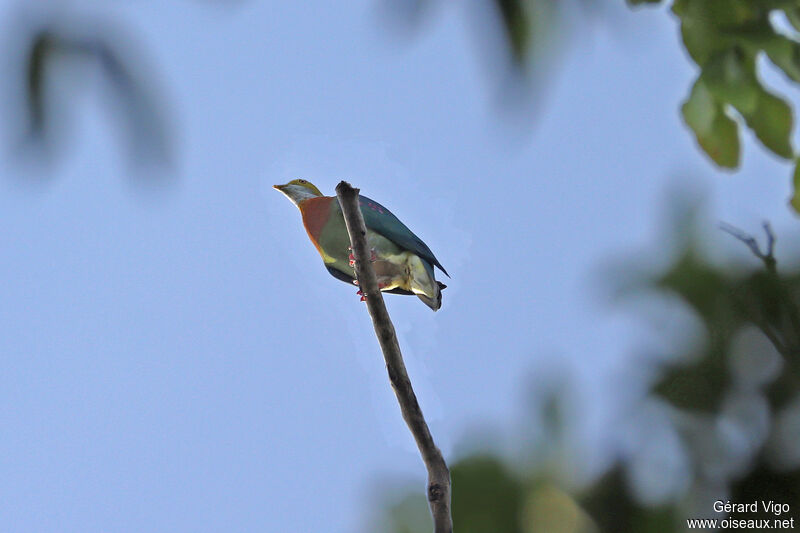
x=749 y=240
x=767 y=257
x=779 y=333
x=438 y=474
x=770 y=238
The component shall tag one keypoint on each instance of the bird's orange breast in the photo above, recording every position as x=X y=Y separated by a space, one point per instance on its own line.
x=316 y=213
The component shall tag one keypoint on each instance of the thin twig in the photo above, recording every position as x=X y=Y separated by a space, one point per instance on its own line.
x=770 y=238
x=767 y=257
x=438 y=474
x=788 y=304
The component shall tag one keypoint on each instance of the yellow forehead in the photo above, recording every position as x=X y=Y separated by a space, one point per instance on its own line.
x=307 y=184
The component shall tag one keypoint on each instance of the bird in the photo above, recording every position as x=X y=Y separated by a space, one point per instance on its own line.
x=403 y=263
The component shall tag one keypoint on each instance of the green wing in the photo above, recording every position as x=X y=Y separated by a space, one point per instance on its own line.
x=382 y=221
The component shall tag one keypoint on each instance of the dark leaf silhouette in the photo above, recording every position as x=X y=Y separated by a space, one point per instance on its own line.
x=53 y=51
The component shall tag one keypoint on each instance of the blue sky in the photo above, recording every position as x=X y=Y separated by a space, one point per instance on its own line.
x=179 y=359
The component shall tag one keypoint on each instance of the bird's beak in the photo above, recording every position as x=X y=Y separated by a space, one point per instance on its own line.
x=279 y=187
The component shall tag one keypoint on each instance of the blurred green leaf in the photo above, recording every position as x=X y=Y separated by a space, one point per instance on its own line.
x=795 y=201
x=133 y=89
x=778 y=486
x=700 y=109
x=42 y=47
x=730 y=77
x=754 y=35
x=701 y=385
x=703 y=287
x=697 y=387
x=609 y=502
x=709 y=27
x=702 y=39
x=761 y=298
x=793 y=15
x=724 y=38
x=785 y=54
x=486 y=497
x=551 y=509
x=410 y=515
x=727 y=14
x=783 y=390
x=516 y=23
x=772 y=122
x=716 y=132
x=722 y=142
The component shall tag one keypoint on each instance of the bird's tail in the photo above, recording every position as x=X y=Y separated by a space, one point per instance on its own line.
x=434 y=303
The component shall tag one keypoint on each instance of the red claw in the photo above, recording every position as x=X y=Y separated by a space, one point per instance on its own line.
x=352 y=258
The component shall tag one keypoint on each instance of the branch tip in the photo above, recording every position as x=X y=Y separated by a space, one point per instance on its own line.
x=345 y=189
x=770 y=237
x=767 y=256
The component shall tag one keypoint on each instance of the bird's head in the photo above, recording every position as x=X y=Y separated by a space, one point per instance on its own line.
x=298 y=190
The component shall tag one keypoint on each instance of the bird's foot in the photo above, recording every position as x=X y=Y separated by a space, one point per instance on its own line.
x=352 y=259
x=361 y=293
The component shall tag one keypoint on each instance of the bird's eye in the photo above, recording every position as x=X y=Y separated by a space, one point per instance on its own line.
x=303 y=181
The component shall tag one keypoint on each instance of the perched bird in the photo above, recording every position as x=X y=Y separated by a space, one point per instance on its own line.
x=403 y=263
